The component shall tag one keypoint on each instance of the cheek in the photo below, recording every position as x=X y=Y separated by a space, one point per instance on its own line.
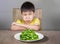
x=24 y=18
x=31 y=17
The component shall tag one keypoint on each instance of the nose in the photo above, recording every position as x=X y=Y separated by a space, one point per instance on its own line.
x=27 y=16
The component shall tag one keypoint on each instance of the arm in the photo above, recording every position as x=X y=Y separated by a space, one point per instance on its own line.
x=16 y=27
x=34 y=27
x=24 y=26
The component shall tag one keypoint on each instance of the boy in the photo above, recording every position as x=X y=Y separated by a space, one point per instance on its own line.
x=28 y=20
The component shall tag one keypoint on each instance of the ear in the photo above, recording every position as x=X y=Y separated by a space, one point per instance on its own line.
x=34 y=14
x=21 y=16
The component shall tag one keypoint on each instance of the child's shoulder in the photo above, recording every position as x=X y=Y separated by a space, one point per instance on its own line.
x=36 y=19
x=19 y=21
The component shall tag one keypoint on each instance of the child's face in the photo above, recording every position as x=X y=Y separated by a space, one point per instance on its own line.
x=27 y=15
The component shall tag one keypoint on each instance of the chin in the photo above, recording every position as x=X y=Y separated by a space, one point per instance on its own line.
x=28 y=20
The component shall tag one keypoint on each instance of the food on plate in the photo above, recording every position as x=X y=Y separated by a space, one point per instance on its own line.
x=28 y=34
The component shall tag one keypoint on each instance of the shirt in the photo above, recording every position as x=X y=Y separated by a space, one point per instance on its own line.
x=35 y=21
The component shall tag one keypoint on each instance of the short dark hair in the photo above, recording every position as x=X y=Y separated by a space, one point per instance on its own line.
x=27 y=6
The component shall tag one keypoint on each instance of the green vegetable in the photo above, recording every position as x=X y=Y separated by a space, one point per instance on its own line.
x=28 y=34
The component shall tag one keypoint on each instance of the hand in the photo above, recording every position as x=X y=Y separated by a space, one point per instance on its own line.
x=14 y=23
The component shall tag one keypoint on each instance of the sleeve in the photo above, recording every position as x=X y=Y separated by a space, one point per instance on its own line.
x=37 y=21
x=18 y=21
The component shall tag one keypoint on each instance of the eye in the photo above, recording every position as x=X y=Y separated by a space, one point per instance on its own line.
x=25 y=14
x=29 y=13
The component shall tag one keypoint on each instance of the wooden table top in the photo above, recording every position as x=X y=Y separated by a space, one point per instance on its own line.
x=51 y=37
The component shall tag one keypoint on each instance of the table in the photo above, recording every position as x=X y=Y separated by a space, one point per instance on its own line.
x=51 y=37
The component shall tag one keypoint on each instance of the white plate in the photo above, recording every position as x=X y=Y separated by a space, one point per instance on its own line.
x=17 y=37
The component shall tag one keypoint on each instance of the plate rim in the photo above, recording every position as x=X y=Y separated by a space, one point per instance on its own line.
x=29 y=40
